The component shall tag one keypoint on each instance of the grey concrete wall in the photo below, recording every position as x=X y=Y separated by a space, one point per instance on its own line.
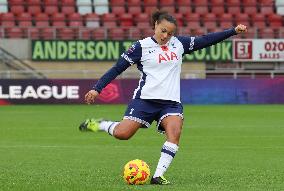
x=21 y=48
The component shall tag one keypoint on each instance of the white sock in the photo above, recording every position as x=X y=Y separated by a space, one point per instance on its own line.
x=167 y=154
x=108 y=126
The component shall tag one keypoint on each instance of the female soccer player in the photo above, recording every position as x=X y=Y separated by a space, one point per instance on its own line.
x=157 y=97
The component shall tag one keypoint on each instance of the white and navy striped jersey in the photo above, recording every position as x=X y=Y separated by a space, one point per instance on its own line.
x=160 y=65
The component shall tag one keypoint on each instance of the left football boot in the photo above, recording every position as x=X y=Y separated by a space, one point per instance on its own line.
x=90 y=125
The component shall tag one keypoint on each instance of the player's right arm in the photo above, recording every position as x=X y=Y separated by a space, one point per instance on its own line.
x=128 y=58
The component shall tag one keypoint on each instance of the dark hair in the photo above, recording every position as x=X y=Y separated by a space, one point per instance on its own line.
x=158 y=16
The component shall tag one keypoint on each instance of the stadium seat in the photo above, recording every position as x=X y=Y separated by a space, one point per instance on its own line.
x=85 y=34
x=17 y=9
x=84 y=6
x=147 y=32
x=58 y=20
x=266 y=9
x=75 y=20
x=168 y=5
x=185 y=31
x=126 y=20
x=117 y=6
x=226 y=20
x=51 y=7
x=251 y=34
x=266 y=33
x=68 y=6
x=116 y=34
x=118 y=10
x=8 y=20
x=109 y=20
x=41 y=20
x=279 y=7
x=209 y=21
x=66 y=33
x=250 y=2
x=233 y=6
x=198 y=32
x=33 y=33
x=192 y=20
x=267 y=2
x=201 y=9
x=101 y=6
x=135 y=34
x=48 y=33
x=275 y=21
x=14 y=32
x=217 y=6
x=250 y=9
x=34 y=7
x=179 y=18
x=242 y=18
x=92 y=20
x=258 y=21
x=279 y=33
x=3 y=6
x=99 y=34
x=213 y=29
x=142 y=20
x=184 y=6
x=134 y=7
x=24 y=20
x=134 y=10
x=201 y=6
x=150 y=6
x=199 y=2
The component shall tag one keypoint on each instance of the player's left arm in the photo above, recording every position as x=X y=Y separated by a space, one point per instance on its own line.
x=214 y=38
x=191 y=44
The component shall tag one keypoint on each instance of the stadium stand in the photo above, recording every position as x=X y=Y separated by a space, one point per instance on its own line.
x=279 y=7
x=3 y=6
x=134 y=7
x=129 y=19
x=208 y=15
x=84 y=6
x=101 y=6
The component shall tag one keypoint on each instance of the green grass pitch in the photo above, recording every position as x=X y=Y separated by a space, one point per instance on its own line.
x=230 y=147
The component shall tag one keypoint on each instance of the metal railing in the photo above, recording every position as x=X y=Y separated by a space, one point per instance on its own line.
x=102 y=33
x=195 y=74
x=17 y=65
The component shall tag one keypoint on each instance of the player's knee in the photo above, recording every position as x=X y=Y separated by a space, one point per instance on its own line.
x=122 y=135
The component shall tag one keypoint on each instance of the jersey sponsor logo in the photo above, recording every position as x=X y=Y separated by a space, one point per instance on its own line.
x=167 y=57
x=131 y=111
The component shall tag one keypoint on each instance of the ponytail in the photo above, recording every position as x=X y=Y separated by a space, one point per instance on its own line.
x=158 y=16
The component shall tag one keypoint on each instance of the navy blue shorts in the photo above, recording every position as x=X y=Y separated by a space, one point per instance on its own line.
x=146 y=111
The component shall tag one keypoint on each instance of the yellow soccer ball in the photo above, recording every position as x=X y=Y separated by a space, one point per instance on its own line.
x=136 y=172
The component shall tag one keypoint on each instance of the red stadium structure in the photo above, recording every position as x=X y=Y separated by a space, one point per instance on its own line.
x=125 y=20
x=130 y=14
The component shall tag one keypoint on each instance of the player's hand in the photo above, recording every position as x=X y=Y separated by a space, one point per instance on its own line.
x=91 y=96
x=241 y=29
